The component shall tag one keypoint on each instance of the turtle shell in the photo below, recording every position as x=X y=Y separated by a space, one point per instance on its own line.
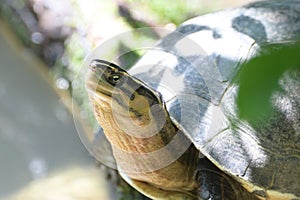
x=193 y=69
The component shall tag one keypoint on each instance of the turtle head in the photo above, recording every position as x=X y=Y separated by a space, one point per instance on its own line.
x=104 y=79
x=126 y=94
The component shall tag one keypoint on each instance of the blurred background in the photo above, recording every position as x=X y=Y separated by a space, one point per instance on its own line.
x=43 y=44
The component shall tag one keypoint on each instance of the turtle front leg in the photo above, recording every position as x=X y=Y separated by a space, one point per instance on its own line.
x=213 y=184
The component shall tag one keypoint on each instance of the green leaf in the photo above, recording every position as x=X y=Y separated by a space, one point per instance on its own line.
x=259 y=79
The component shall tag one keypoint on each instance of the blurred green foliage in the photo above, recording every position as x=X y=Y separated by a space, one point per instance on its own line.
x=169 y=11
x=259 y=79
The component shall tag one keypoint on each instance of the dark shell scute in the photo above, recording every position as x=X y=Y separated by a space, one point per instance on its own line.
x=193 y=80
x=251 y=27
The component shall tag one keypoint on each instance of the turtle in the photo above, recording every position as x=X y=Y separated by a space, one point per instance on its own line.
x=171 y=119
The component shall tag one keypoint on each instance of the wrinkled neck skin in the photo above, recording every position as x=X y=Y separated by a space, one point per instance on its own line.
x=132 y=142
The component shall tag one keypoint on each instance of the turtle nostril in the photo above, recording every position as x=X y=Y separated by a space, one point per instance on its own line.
x=93 y=68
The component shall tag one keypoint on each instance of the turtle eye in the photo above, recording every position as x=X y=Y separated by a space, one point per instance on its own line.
x=114 y=79
x=132 y=97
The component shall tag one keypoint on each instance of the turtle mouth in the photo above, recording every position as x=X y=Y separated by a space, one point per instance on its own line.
x=99 y=92
x=99 y=88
